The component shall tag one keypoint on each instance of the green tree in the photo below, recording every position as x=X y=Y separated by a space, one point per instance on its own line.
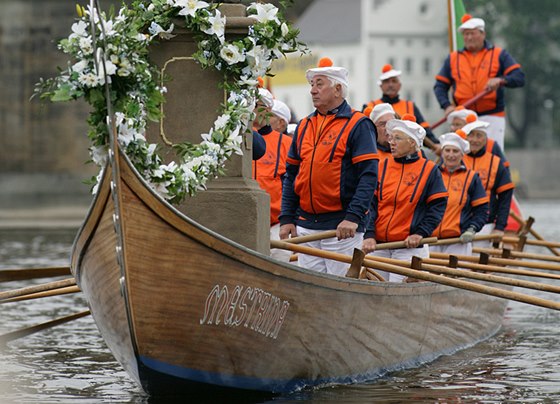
x=530 y=31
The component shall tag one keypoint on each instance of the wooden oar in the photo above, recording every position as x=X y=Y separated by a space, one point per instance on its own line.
x=503 y=261
x=458 y=283
x=519 y=220
x=37 y=288
x=542 y=243
x=23 y=332
x=429 y=264
x=444 y=260
x=48 y=293
x=465 y=104
x=8 y=275
x=505 y=253
x=477 y=237
x=332 y=233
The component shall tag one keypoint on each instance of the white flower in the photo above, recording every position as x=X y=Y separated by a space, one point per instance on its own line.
x=88 y=79
x=156 y=30
x=99 y=154
x=86 y=45
x=190 y=7
x=217 y=26
x=79 y=66
x=265 y=12
x=78 y=29
x=230 y=53
x=284 y=28
x=221 y=121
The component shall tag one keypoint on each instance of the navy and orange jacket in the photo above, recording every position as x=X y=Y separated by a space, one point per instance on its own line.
x=410 y=199
x=467 y=205
x=496 y=180
x=269 y=170
x=468 y=74
x=384 y=152
x=402 y=107
x=331 y=173
x=497 y=150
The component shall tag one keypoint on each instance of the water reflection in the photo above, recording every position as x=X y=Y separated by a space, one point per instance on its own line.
x=70 y=363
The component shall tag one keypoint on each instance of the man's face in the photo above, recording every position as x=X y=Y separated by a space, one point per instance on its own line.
x=381 y=126
x=457 y=123
x=477 y=139
x=323 y=94
x=474 y=39
x=391 y=86
x=278 y=124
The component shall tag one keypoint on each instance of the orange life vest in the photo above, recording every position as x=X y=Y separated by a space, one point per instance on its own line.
x=269 y=169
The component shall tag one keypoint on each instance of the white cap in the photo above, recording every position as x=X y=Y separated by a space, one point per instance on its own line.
x=379 y=110
x=266 y=97
x=453 y=139
x=409 y=128
x=339 y=74
x=387 y=72
x=468 y=22
x=476 y=125
x=281 y=110
x=461 y=113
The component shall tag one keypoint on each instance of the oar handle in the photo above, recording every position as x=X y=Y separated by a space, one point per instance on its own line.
x=477 y=237
x=466 y=104
x=400 y=244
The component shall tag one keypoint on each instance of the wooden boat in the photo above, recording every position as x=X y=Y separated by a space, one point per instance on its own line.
x=187 y=309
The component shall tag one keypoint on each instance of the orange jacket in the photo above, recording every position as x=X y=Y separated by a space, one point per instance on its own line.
x=496 y=181
x=269 y=170
x=467 y=205
x=410 y=199
x=332 y=170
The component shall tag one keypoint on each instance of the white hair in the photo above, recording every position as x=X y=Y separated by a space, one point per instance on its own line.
x=344 y=87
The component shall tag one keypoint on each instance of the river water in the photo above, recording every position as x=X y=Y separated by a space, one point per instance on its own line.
x=70 y=363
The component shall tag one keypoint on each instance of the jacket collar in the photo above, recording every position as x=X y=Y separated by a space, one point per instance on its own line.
x=342 y=111
x=265 y=130
x=390 y=100
x=411 y=158
x=461 y=167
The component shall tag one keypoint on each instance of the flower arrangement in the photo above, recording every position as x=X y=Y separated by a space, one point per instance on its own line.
x=114 y=48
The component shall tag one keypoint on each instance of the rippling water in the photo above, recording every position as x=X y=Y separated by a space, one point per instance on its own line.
x=70 y=363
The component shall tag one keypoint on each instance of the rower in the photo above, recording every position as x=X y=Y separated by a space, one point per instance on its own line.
x=270 y=169
x=494 y=175
x=467 y=206
x=410 y=200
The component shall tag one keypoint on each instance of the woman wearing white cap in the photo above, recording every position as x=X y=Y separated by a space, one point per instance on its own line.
x=380 y=115
x=410 y=199
x=467 y=206
x=270 y=169
x=478 y=67
x=494 y=175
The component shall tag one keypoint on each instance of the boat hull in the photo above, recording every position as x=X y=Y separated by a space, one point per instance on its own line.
x=190 y=309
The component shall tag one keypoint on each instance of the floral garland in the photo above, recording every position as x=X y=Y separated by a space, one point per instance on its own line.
x=122 y=43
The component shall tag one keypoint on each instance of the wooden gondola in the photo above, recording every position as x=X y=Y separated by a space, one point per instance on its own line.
x=183 y=308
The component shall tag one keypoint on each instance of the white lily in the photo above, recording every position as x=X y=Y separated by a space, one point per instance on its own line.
x=190 y=7
x=231 y=54
x=217 y=26
x=265 y=12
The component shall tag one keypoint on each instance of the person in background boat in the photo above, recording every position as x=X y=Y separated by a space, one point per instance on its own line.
x=410 y=199
x=467 y=206
x=331 y=173
x=380 y=115
x=390 y=84
x=494 y=175
x=269 y=170
x=478 y=67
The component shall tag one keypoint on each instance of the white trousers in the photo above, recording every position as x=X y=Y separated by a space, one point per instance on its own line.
x=324 y=265
x=277 y=253
x=453 y=249
x=404 y=254
x=497 y=128
x=486 y=229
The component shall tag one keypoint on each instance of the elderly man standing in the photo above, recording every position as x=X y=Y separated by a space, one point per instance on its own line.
x=479 y=67
x=331 y=173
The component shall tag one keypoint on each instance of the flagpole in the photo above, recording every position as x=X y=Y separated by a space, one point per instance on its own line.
x=451 y=25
